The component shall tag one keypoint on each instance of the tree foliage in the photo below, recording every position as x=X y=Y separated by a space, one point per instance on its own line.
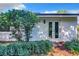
x=4 y=22
x=61 y=11
x=19 y=19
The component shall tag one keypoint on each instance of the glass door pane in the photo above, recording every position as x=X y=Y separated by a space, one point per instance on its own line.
x=50 y=29
x=56 y=30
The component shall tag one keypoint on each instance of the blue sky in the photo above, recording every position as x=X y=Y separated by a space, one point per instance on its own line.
x=41 y=7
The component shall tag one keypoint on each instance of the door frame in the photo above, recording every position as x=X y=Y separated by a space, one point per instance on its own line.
x=53 y=29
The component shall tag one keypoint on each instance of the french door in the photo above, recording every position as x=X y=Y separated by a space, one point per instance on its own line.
x=53 y=29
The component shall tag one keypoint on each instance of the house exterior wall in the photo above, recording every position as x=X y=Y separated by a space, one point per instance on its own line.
x=67 y=29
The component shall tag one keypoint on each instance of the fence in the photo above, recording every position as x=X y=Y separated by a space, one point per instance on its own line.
x=6 y=36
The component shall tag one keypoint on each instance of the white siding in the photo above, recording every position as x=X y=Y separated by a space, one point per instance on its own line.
x=69 y=29
x=40 y=32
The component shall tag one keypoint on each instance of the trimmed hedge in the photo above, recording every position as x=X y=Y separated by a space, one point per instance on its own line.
x=73 y=45
x=26 y=48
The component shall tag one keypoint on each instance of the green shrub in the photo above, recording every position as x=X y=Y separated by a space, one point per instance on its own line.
x=42 y=47
x=26 y=48
x=22 y=50
x=12 y=50
x=2 y=50
x=72 y=45
x=17 y=49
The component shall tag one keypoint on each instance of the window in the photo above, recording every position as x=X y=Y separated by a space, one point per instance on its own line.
x=56 y=29
x=50 y=29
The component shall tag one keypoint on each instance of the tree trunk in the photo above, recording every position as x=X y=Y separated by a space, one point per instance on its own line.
x=27 y=35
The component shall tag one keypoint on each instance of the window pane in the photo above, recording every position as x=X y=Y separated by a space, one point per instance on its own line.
x=50 y=29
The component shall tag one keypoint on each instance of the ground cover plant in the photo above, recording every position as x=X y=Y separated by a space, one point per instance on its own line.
x=73 y=46
x=26 y=48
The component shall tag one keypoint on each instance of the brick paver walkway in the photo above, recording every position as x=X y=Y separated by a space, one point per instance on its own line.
x=59 y=50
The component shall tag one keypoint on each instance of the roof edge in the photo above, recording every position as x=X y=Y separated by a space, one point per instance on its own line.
x=55 y=14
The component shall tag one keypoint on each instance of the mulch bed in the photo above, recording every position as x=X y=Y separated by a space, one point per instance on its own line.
x=60 y=50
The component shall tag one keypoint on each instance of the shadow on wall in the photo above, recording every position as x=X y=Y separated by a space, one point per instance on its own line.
x=39 y=33
x=69 y=33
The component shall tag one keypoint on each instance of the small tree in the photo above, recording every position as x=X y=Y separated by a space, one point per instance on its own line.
x=28 y=22
x=24 y=19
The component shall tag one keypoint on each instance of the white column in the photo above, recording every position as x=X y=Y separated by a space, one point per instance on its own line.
x=78 y=20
